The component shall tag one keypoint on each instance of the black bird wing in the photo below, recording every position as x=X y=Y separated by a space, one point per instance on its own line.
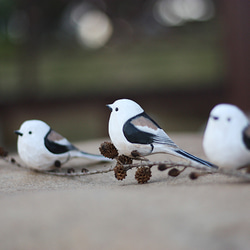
x=141 y=129
x=246 y=136
x=57 y=144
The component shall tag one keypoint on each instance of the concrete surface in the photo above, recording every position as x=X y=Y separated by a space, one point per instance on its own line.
x=39 y=211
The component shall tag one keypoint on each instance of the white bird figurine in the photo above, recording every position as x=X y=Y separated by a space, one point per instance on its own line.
x=42 y=148
x=132 y=131
x=226 y=139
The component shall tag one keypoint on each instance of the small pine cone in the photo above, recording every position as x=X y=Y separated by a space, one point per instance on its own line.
x=248 y=170
x=70 y=170
x=143 y=174
x=135 y=154
x=124 y=159
x=174 y=172
x=108 y=150
x=3 y=153
x=193 y=175
x=57 y=164
x=120 y=172
x=162 y=167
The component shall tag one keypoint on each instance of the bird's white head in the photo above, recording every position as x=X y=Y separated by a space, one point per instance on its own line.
x=223 y=138
x=124 y=109
x=32 y=131
x=227 y=117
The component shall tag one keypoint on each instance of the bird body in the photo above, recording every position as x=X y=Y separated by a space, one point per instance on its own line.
x=226 y=139
x=131 y=129
x=41 y=147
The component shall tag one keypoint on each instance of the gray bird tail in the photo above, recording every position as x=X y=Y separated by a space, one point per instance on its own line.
x=82 y=154
x=194 y=158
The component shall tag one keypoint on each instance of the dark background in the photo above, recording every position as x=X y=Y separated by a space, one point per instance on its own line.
x=61 y=61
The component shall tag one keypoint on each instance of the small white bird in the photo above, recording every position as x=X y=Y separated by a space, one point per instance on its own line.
x=226 y=139
x=40 y=147
x=132 y=130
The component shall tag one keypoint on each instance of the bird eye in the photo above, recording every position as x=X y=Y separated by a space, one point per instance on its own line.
x=228 y=119
x=116 y=109
x=30 y=132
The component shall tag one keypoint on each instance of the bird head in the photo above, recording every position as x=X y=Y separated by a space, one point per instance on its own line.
x=124 y=109
x=32 y=131
x=227 y=116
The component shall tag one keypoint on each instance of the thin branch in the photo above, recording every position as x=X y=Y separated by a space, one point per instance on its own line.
x=127 y=167
x=234 y=173
x=168 y=164
x=13 y=161
x=74 y=174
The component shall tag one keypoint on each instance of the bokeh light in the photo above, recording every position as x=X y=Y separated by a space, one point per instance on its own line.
x=177 y=12
x=94 y=29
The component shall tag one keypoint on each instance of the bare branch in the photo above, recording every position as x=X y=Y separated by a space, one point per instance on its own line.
x=168 y=165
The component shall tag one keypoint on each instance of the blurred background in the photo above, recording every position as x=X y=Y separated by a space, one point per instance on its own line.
x=61 y=61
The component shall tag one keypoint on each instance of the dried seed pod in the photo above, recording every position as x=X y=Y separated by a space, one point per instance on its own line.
x=196 y=175
x=57 y=164
x=135 y=154
x=3 y=153
x=108 y=150
x=124 y=159
x=248 y=170
x=85 y=170
x=70 y=170
x=162 y=167
x=12 y=160
x=120 y=172
x=193 y=175
x=174 y=172
x=143 y=174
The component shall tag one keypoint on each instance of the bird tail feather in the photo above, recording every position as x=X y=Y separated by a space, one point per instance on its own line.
x=195 y=158
x=82 y=154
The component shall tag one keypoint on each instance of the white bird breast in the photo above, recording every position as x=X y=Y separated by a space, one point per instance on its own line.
x=223 y=145
x=36 y=155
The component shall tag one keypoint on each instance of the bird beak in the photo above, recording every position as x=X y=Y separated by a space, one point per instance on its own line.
x=18 y=132
x=109 y=106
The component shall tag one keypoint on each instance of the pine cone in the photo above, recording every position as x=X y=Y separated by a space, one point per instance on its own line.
x=108 y=150
x=143 y=174
x=124 y=159
x=120 y=172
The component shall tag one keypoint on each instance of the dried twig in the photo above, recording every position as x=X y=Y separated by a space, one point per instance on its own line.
x=234 y=173
x=13 y=161
x=168 y=164
x=127 y=165
x=71 y=174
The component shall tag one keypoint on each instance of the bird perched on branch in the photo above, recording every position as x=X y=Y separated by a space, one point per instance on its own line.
x=226 y=139
x=134 y=133
x=40 y=147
